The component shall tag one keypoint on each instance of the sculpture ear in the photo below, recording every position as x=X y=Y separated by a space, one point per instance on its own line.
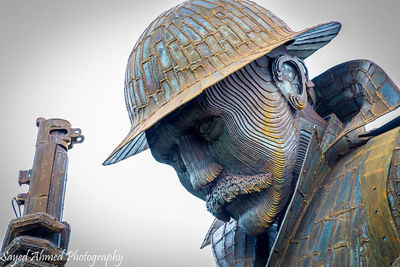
x=290 y=76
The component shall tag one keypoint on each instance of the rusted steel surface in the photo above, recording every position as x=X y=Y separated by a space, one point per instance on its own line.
x=343 y=217
x=41 y=228
x=358 y=92
x=49 y=173
x=232 y=246
x=393 y=186
x=193 y=46
x=229 y=123
x=218 y=90
x=342 y=213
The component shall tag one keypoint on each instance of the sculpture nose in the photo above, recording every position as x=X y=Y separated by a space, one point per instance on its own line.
x=198 y=161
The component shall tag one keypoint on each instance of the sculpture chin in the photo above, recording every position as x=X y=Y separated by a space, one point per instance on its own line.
x=258 y=216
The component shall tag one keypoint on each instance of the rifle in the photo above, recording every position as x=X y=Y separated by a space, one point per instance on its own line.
x=47 y=182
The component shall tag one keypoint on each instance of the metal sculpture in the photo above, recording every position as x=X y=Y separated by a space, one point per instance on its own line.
x=40 y=230
x=218 y=90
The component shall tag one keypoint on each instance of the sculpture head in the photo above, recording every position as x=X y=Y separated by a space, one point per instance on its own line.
x=235 y=145
x=213 y=88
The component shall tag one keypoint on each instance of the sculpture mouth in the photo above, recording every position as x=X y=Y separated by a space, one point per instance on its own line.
x=229 y=188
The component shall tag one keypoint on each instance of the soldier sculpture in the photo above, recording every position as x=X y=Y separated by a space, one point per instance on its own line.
x=218 y=90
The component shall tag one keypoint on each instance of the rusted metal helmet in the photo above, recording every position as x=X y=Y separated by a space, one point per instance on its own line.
x=194 y=45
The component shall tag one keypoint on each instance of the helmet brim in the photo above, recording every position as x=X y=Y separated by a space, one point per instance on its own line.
x=301 y=44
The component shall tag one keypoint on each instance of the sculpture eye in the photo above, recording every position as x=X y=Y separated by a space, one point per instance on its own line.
x=209 y=129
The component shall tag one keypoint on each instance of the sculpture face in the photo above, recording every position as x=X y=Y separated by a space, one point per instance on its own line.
x=234 y=145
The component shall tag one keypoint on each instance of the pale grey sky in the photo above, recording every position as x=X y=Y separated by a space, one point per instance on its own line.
x=67 y=59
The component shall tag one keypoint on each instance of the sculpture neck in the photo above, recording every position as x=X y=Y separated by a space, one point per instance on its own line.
x=308 y=123
x=309 y=120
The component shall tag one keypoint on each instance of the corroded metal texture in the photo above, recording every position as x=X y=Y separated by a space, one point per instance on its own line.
x=48 y=176
x=341 y=212
x=359 y=89
x=194 y=45
x=220 y=89
x=357 y=92
x=340 y=215
x=41 y=229
x=393 y=186
x=209 y=135
x=231 y=244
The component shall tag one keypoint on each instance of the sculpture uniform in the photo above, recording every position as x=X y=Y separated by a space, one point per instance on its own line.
x=218 y=90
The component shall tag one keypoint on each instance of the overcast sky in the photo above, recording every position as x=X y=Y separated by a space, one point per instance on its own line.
x=67 y=59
